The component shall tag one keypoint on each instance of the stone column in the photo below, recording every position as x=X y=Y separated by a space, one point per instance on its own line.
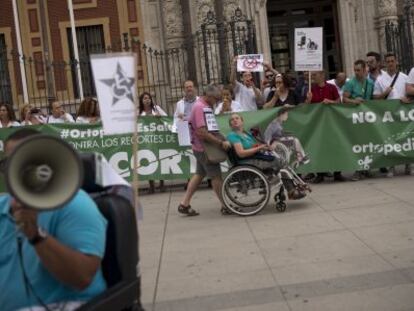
x=173 y=23
x=152 y=24
x=173 y=26
x=189 y=40
x=408 y=11
x=387 y=11
x=262 y=29
x=347 y=24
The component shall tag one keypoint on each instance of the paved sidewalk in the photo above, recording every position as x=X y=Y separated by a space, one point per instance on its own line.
x=348 y=246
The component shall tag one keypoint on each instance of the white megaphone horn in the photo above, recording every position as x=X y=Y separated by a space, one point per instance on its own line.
x=43 y=172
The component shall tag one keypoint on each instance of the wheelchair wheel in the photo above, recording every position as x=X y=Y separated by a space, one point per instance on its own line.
x=281 y=206
x=246 y=190
x=280 y=196
x=283 y=152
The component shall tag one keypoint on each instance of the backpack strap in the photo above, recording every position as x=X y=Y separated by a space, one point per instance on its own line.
x=393 y=82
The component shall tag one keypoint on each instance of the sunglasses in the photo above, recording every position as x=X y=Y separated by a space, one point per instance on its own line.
x=269 y=76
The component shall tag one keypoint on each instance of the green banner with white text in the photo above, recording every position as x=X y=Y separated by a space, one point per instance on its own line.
x=336 y=138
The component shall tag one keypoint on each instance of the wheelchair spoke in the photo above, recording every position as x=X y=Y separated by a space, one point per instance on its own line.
x=246 y=190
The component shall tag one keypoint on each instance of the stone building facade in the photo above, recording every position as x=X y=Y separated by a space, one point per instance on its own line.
x=44 y=60
x=358 y=26
x=178 y=40
x=363 y=25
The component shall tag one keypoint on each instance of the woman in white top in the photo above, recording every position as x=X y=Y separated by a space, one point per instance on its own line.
x=88 y=111
x=7 y=116
x=228 y=105
x=148 y=108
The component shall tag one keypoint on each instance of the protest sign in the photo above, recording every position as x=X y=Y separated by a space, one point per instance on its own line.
x=115 y=83
x=183 y=133
x=250 y=62
x=308 y=49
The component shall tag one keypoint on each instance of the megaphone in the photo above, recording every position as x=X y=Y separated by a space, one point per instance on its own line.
x=43 y=172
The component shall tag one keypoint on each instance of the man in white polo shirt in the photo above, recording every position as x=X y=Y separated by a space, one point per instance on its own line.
x=246 y=93
x=391 y=83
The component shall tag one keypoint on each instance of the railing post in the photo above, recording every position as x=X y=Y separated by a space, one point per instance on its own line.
x=5 y=83
x=222 y=52
x=250 y=38
x=221 y=26
x=233 y=38
x=126 y=42
x=205 y=48
x=388 y=36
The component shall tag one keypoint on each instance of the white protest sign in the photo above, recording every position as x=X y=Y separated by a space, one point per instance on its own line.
x=211 y=122
x=250 y=62
x=115 y=83
x=308 y=49
x=183 y=132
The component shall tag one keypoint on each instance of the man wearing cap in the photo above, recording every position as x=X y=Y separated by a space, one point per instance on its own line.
x=203 y=127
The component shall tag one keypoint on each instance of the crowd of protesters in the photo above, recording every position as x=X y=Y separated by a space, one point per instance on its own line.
x=88 y=113
x=370 y=81
x=374 y=78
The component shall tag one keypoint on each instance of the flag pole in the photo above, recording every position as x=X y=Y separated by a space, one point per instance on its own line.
x=75 y=48
x=310 y=81
x=135 y=180
x=20 y=49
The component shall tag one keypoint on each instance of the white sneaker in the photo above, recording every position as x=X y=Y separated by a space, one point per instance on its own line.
x=391 y=172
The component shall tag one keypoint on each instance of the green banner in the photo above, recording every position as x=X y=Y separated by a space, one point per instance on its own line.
x=355 y=137
x=336 y=137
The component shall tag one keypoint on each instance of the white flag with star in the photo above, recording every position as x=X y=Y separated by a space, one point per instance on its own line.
x=115 y=84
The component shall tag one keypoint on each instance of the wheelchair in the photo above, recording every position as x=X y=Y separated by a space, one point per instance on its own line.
x=120 y=264
x=247 y=188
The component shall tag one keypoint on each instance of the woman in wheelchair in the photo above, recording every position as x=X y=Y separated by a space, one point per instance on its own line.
x=251 y=152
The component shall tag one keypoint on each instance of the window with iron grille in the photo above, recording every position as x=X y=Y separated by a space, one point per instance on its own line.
x=90 y=41
x=5 y=86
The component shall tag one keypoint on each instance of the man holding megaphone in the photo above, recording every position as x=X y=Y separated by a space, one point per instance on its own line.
x=52 y=235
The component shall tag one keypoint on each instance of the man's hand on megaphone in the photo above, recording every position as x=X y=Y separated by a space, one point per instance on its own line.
x=25 y=218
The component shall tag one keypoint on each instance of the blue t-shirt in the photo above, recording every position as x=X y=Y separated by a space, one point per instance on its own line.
x=78 y=225
x=357 y=89
x=246 y=139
